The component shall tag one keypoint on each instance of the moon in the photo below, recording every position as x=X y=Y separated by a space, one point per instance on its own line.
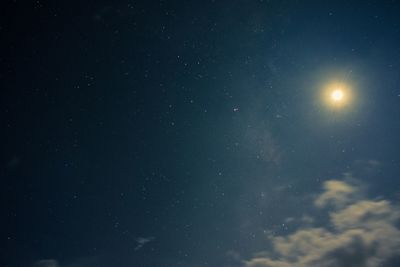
x=337 y=95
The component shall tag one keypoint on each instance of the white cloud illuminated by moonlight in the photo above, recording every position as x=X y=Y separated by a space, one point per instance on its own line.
x=362 y=233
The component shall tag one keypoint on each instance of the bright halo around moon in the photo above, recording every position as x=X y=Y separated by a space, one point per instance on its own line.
x=337 y=95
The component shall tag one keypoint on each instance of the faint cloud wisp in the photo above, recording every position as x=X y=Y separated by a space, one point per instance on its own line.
x=141 y=241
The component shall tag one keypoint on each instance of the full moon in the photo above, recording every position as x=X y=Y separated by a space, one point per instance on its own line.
x=337 y=95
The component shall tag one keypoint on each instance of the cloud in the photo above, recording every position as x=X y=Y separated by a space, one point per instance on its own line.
x=337 y=193
x=369 y=166
x=89 y=261
x=141 y=241
x=46 y=263
x=233 y=255
x=362 y=233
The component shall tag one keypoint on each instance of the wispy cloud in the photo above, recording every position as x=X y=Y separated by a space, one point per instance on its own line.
x=141 y=241
x=46 y=263
x=362 y=233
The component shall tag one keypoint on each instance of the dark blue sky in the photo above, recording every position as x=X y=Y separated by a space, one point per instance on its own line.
x=192 y=133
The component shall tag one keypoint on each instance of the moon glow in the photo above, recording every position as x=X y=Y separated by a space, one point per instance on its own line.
x=337 y=95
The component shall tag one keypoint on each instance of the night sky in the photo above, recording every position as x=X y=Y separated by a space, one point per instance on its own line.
x=200 y=134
